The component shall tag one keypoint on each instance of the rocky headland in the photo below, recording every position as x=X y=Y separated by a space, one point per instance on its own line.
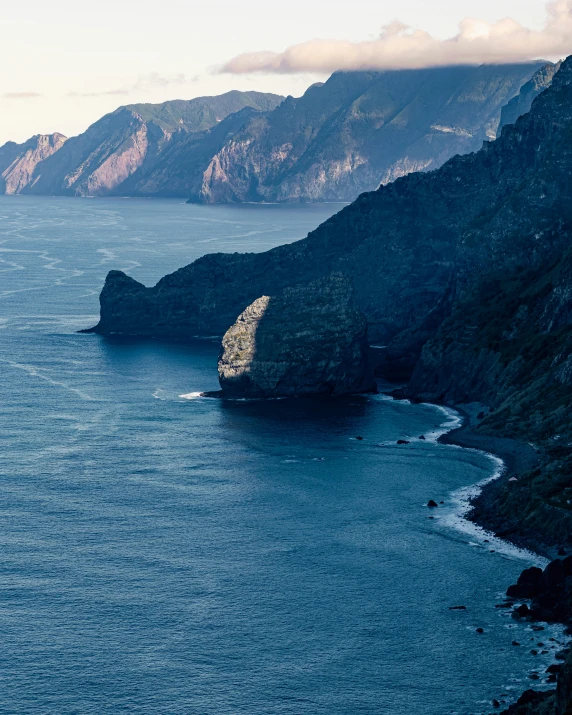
x=306 y=340
x=465 y=275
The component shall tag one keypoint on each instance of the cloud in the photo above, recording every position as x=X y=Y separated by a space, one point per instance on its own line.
x=402 y=47
x=21 y=95
x=153 y=80
x=109 y=92
x=145 y=83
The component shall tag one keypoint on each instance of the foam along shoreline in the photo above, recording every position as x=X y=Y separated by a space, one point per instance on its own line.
x=455 y=514
x=518 y=458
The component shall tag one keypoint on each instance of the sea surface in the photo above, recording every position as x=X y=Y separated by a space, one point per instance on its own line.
x=162 y=553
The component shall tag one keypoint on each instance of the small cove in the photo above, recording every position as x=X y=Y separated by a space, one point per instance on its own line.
x=171 y=555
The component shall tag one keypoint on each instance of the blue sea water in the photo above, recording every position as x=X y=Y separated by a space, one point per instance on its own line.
x=164 y=553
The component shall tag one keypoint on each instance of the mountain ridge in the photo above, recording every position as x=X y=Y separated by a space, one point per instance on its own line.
x=342 y=137
x=129 y=139
x=18 y=162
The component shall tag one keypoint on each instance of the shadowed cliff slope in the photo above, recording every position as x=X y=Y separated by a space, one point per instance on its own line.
x=404 y=246
x=361 y=129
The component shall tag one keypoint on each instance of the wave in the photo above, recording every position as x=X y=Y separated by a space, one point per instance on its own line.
x=454 y=421
x=454 y=515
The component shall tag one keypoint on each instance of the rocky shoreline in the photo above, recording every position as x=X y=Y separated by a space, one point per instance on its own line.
x=538 y=595
x=518 y=457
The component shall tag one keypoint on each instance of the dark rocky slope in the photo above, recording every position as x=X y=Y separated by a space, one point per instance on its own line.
x=529 y=91
x=306 y=340
x=406 y=246
x=509 y=345
x=130 y=140
x=362 y=129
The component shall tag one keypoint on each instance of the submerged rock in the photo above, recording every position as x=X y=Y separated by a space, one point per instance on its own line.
x=306 y=340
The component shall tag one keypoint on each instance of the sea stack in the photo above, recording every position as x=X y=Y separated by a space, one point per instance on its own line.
x=306 y=340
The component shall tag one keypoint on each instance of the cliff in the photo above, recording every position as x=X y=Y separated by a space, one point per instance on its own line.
x=306 y=340
x=466 y=274
x=349 y=135
x=127 y=143
x=522 y=103
x=18 y=162
x=360 y=130
x=404 y=247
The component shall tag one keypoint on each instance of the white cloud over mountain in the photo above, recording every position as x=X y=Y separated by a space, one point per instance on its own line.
x=401 y=47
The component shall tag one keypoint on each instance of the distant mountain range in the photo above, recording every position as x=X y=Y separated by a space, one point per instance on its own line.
x=120 y=146
x=349 y=135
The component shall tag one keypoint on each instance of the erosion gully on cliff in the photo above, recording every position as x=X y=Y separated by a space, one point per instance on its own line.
x=465 y=274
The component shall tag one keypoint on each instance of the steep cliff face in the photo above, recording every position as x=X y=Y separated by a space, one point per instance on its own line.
x=521 y=104
x=306 y=340
x=178 y=169
x=359 y=130
x=126 y=144
x=344 y=137
x=18 y=162
x=509 y=345
x=404 y=246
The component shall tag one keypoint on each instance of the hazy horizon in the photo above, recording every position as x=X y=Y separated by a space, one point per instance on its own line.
x=79 y=63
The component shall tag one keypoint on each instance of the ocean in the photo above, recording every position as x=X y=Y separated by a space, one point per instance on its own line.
x=166 y=553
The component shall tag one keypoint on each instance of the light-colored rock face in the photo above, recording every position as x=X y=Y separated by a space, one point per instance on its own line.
x=360 y=130
x=120 y=153
x=307 y=340
x=20 y=172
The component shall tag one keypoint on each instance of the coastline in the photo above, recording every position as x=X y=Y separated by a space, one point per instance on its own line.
x=518 y=457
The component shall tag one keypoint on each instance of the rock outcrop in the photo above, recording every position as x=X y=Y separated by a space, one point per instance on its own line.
x=19 y=162
x=551 y=594
x=405 y=246
x=549 y=591
x=522 y=103
x=306 y=340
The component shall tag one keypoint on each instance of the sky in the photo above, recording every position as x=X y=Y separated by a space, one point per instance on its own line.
x=66 y=63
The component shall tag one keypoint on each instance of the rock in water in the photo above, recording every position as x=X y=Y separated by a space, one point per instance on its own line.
x=308 y=339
